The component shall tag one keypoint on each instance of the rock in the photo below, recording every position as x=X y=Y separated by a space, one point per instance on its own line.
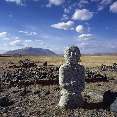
x=45 y=63
x=95 y=96
x=71 y=79
x=4 y=101
x=113 y=106
x=108 y=98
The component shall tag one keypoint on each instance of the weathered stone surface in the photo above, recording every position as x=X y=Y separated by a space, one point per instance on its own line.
x=95 y=96
x=113 y=106
x=71 y=79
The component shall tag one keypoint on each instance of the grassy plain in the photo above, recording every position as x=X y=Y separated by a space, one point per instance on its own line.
x=89 y=61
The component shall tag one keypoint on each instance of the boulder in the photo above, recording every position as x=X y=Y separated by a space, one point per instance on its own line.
x=113 y=106
x=110 y=100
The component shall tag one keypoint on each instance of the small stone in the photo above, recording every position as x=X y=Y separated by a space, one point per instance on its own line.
x=4 y=101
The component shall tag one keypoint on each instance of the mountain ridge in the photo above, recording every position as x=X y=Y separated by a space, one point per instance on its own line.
x=31 y=51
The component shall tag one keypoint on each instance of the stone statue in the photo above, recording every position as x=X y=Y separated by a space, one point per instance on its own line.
x=71 y=79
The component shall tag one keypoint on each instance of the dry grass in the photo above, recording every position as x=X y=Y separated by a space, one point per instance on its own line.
x=50 y=59
x=90 y=61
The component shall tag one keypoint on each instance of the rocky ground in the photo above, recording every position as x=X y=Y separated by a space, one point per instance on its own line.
x=23 y=95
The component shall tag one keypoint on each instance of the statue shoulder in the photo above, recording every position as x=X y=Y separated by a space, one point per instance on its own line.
x=82 y=67
x=64 y=67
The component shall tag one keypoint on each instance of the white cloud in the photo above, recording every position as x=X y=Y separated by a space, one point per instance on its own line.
x=95 y=0
x=103 y=4
x=82 y=14
x=28 y=41
x=100 y=8
x=97 y=46
x=16 y=42
x=82 y=3
x=18 y=2
x=81 y=29
x=113 y=7
x=32 y=33
x=86 y=36
x=28 y=33
x=21 y=31
x=6 y=38
x=66 y=10
x=41 y=42
x=56 y=2
x=3 y=34
x=64 y=25
x=65 y=17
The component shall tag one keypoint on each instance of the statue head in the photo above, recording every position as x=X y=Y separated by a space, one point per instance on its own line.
x=72 y=55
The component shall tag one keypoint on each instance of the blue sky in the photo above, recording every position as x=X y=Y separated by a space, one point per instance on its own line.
x=56 y=24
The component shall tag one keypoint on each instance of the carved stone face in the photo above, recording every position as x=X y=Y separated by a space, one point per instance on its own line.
x=72 y=55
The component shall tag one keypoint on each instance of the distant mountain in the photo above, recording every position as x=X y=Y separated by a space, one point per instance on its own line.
x=31 y=51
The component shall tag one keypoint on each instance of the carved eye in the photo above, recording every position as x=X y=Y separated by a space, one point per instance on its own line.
x=75 y=53
x=71 y=53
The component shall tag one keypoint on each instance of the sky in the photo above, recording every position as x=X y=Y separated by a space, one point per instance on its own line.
x=56 y=24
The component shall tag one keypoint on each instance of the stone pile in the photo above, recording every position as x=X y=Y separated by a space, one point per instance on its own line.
x=109 y=68
x=27 y=70
x=95 y=76
x=27 y=63
x=30 y=73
